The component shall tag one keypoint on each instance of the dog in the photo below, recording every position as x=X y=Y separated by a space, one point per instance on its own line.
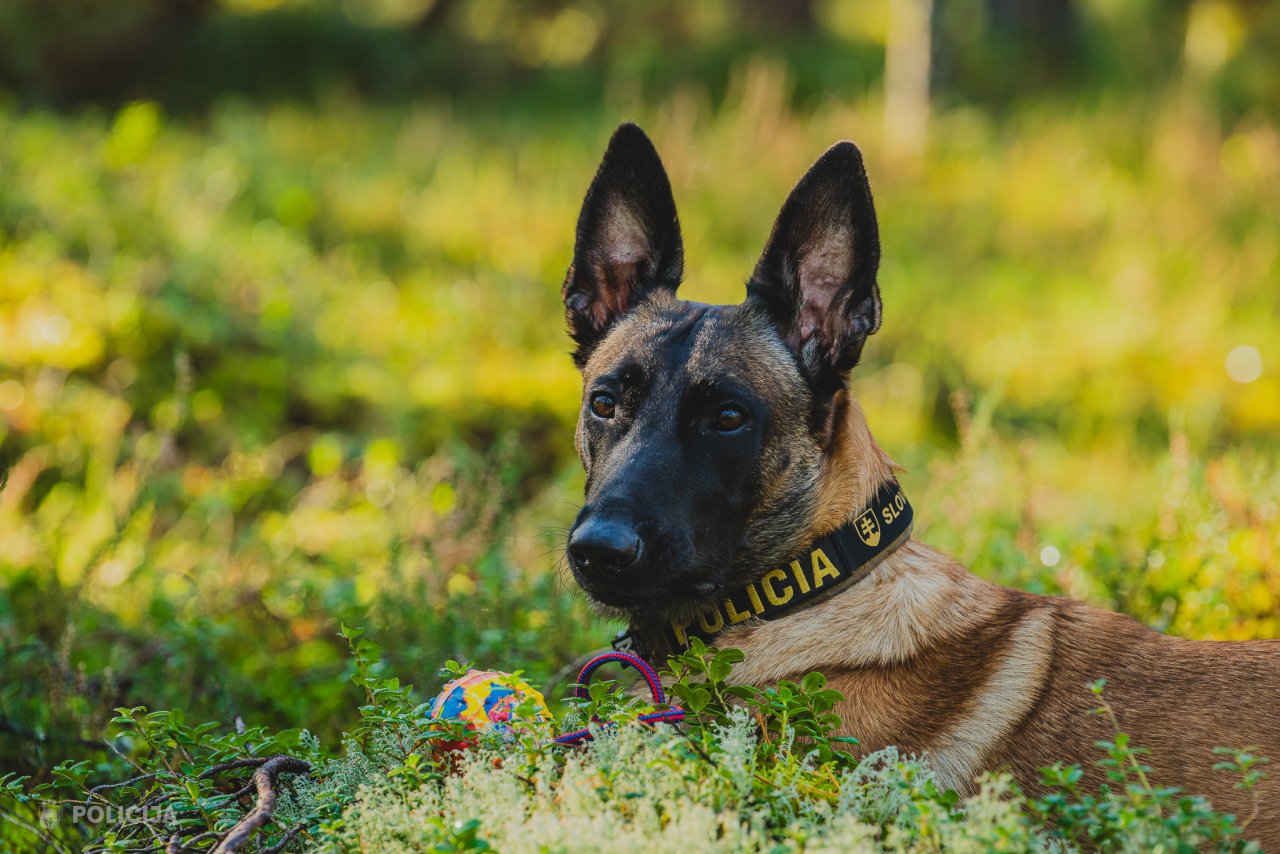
x=734 y=492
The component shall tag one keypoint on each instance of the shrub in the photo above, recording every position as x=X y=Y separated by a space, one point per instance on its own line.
x=755 y=769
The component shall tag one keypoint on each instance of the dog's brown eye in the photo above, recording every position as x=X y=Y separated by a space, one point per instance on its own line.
x=728 y=419
x=602 y=405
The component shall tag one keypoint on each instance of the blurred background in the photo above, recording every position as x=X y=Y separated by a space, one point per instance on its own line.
x=281 y=343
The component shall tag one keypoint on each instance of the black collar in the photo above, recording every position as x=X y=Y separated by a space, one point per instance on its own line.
x=831 y=563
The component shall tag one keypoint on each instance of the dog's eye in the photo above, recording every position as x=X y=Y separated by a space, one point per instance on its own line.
x=728 y=419
x=602 y=404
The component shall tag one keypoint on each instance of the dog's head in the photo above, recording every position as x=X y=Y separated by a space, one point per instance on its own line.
x=704 y=429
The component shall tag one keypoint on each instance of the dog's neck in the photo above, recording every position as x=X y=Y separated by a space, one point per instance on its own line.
x=916 y=594
x=913 y=598
x=855 y=468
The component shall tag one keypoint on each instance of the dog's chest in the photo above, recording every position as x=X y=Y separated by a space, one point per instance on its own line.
x=955 y=698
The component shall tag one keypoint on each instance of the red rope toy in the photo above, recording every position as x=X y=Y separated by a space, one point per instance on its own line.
x=672 y=715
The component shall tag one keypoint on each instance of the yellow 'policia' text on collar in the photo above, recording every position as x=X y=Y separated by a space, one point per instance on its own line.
x=831 y=563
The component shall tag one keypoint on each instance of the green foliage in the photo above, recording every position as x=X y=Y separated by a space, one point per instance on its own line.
x=754 y=770
x=786 y=713
x=278 y=368
x=231 y=420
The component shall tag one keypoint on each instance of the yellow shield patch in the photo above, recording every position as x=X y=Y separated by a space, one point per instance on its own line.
x=868 y=528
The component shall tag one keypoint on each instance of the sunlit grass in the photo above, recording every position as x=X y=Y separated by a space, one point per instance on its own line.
x=278 y=367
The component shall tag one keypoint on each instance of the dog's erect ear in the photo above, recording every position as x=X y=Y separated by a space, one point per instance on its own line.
x=817 y=276
x=628 y=242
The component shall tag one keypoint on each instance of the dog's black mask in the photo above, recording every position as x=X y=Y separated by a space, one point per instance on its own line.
x=703 y=428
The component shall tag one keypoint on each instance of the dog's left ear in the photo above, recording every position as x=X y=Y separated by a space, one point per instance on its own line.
x=816 y=279
x=628 y=242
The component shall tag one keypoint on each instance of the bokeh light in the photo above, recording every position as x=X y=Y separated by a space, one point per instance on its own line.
x=1244 y=363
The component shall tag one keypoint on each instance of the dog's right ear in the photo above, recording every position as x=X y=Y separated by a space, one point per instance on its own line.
x=628 y=242
x=817 y=276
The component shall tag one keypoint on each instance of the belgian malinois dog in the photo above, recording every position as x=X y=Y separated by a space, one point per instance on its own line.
x=734 y=492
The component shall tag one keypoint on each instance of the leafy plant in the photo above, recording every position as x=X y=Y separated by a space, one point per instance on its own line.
x=281 y=367
x=753 y=769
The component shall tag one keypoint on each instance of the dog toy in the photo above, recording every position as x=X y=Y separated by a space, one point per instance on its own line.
x=670 y=715
x=489 y=701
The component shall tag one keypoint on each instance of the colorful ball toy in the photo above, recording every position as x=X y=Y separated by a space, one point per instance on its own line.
x=493 y=702
x=490 y=701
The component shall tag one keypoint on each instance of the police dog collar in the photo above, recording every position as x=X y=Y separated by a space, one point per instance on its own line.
x=831 y=563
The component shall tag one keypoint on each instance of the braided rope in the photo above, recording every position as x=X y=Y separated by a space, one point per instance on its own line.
x=673 y=715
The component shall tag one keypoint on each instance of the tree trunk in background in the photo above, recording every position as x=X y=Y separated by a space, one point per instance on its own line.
x=908 y=55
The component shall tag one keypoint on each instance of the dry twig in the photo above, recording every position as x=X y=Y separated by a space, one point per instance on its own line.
x=264 y=780
x=285 y=839
x=245 y=762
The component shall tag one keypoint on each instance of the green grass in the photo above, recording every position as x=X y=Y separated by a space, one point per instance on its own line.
x=277 y=368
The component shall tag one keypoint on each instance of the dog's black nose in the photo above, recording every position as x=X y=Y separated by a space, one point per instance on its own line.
x=602 y=545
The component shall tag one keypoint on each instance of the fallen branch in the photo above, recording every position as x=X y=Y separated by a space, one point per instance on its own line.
x=264 y=780
x=177 y=846
x=246 y=762
x=98 y=790
x=285 y=839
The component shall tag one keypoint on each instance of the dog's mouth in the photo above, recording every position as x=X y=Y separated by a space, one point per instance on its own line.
x=673 y=594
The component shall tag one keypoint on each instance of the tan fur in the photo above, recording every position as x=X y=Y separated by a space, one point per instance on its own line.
x=933 y=659
x=982 y=678
x=853 y=471
x=928 y=656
